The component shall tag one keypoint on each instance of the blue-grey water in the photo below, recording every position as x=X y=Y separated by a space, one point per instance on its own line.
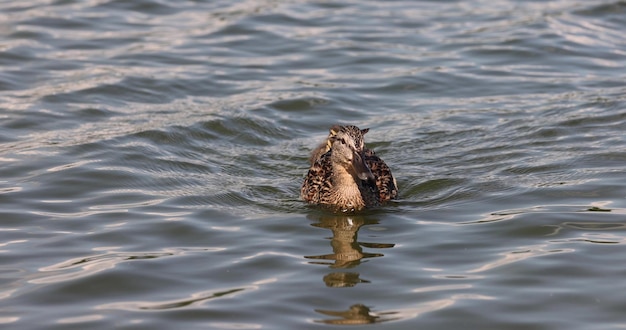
x=152 y=152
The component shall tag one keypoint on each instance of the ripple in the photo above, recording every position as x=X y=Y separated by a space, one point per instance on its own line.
x=80 y=267
x=8 y=320
x=521 y=254
x=443 y=287
x=195 y=299
x=80 y=319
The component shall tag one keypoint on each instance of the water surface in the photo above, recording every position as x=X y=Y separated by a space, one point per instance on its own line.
x=151 y=156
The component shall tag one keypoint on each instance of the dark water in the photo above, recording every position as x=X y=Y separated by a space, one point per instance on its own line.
x=151 y=154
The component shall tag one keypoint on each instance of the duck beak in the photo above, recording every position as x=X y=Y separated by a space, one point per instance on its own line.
x=360 y=167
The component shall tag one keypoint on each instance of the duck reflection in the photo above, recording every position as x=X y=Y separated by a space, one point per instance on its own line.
x=347 y=250
x=357 y=314
x=343 y=280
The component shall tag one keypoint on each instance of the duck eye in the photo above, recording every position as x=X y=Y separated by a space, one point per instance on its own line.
x=342 y=141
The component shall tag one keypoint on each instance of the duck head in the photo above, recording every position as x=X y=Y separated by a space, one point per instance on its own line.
x=347 y=147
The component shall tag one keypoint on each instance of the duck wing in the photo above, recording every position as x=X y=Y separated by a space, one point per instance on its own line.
x=385 y=182
x=317 y=182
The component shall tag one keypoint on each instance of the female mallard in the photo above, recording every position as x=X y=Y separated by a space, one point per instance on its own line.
x=344 y=174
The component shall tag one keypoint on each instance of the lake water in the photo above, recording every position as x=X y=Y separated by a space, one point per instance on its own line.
x=152 y=152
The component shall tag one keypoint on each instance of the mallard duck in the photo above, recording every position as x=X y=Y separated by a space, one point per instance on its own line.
x=346 y=175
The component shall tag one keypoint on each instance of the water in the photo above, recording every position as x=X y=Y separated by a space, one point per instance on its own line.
x=152 y=153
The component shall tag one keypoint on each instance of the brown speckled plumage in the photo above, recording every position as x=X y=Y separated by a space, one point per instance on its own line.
x=346 y=175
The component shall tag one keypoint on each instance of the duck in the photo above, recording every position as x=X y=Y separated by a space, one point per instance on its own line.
x=345 y=175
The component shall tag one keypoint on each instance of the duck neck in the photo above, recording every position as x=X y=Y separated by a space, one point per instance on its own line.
x=346 y=188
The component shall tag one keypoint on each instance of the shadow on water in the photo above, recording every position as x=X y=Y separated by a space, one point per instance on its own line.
x=347 y=253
